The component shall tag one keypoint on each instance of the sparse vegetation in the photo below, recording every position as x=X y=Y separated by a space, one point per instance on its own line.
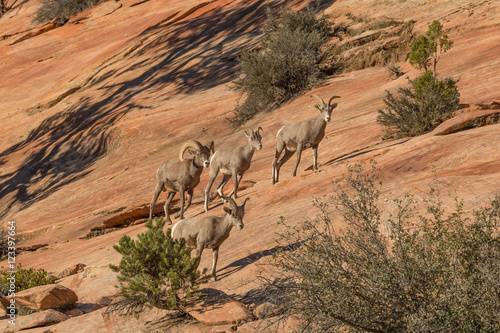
x=421 y=108
x=428 y=48
x=3 y=8
x=395 y=71
x=401 y=272
x=60 y=11
x=25 y=279
x=4 y=244
x=155 y=271
x=287 y=64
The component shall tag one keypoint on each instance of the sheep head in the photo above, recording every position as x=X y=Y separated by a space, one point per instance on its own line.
x=325 y=109
x=201 y=153
x=254 y=138
x=236 y=212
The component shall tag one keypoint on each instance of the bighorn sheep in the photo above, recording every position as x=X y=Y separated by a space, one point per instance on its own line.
x=210 y=232
x=233 y=162
x=302 y=135
x=183 y=175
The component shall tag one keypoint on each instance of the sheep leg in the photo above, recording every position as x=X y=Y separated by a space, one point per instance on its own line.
x=165 y=207
x=181 y=193
x=236 y=181
x=315 y=157
x=215 y=253
x=239 y=181
x=286 y=157
x=213 y=175
x=223 y=183
x=158 y=189
x=299 y=153
x=275 y=162
x=188 y=203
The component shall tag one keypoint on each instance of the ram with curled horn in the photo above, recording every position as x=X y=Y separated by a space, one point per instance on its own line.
x=233 y=162
x=181 y=176
x=302 y=135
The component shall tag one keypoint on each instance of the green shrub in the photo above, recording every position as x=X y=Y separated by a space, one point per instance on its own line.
x=429 y=46
x=60 y=11
x=400 y=272
x=287 y=64
x=155 y=271
x=24 y=279
x=416 y=111
x=421 y=108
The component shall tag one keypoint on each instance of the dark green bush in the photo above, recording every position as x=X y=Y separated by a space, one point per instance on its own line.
x=25 y=279
x=420 y=109
x=60 y=11
x=155 y=271
x=400 y=272
x=287 y=64
x=430 y=101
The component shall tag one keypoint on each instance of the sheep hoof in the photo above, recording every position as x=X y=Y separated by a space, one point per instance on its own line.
x=214 y=279
x=168 y=222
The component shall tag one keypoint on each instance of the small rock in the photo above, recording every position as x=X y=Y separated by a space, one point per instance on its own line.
x=74 y=312
x=87 y=307
x=51 y=296
x=71 y=271
x=140 y=221
x=37 y=319
x=104 y=301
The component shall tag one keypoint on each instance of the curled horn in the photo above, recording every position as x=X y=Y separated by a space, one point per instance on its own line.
x=331 y=98
x=189 y=144
x=260 y=129
x=244 y=202
x=231 y=201
x=319 y=98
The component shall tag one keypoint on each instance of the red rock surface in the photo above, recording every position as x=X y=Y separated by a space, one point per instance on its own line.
x=90 y=109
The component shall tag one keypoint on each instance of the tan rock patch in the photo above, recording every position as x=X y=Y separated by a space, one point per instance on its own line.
x=44 y=318
x=51 y=296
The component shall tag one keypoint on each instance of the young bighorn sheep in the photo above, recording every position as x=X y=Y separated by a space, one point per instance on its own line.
x=210 y=232
x=302 y=135
x=233 y=162
x=180 y=176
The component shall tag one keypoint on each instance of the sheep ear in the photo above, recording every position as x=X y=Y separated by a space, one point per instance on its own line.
x=246 y=133
x=227 y=210
x=191 y=151
x=334 y=105
x=317 y=106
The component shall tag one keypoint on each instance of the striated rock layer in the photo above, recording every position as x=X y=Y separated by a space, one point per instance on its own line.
x=90 y=109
